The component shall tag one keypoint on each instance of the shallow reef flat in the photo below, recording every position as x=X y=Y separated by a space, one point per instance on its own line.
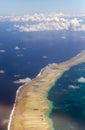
x=32 y=108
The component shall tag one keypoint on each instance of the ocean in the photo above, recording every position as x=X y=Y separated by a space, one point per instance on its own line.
x=24 y=54
x=68 y=99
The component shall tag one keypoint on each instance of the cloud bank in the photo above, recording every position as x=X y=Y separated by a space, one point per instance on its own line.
x=50 y=22
x=46 y=22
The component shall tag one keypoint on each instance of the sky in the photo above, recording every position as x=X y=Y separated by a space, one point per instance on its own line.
x=20 y=7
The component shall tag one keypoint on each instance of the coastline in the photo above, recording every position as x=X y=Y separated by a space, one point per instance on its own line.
x=50 y=102
x=38 y=90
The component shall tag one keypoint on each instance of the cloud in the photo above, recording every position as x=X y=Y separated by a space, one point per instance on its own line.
x=16 y=76
x=24 y=48
x=75 y=22
x=22 y=81
x=45 y=57
x=49 y=22
x=2 y=51
x=17 y=48
x=63 y=37
x=10 y=18
x=20 y=55
x=81 y=80
x=73 y=87
x=15 y=19
x=2 y=71
x=34 y=17
x=46 y=22
x=5 y=122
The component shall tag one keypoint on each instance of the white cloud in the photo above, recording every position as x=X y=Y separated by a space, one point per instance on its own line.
x=82 y=37
x=63 y=37
x=2 y=51
x=43 y=22
x=17 y=48
x=16 y=76
x=24 y=48
x=5 y=122
x=73 y=87
x=15 y=19
x=37 y=17
x=75 y=22
x=2 y=71
x=20 y=55
x=43 y=26
x=81 y=80
x=45 y=57
x=22 y=81
x=10 y=18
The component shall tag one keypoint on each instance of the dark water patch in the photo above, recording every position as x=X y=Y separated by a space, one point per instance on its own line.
x=68 y=97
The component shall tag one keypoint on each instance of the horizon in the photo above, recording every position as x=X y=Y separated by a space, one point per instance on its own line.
x=34 y=34
x=21 y=7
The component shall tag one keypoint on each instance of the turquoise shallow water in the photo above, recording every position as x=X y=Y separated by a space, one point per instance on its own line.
x=68 y=97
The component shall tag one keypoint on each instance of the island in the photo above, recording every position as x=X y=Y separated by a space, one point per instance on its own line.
x=32 y=108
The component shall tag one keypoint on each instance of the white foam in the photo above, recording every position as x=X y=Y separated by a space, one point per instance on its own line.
x=11 y=115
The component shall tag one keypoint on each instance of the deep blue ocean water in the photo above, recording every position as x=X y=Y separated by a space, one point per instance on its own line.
x=36 y=50
x=68 y=98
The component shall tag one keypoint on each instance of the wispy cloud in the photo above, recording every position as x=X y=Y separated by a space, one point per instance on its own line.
x=73 y=87
x=63 y=37
x=22 y=81
x=81 y=80
x=2 y=51
x=24 y=48
x=17 y=48
x=20 y=55
x=45 y=57
x=2 y=71
x=17 y=75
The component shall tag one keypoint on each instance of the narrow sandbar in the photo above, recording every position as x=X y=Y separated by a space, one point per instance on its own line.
x=31 y=106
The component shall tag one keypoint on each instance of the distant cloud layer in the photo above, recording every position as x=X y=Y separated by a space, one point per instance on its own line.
x=46 y=22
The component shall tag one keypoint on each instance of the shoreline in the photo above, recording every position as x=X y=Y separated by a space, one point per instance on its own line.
x=50 y=102
x=34 y=98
